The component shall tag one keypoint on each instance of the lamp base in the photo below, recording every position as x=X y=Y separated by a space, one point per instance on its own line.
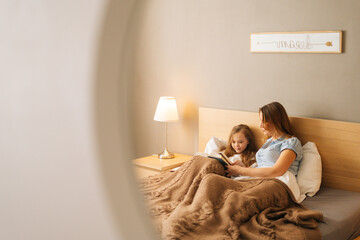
x=166 y=154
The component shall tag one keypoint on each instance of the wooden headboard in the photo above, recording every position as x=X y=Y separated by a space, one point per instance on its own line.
x=338 y=142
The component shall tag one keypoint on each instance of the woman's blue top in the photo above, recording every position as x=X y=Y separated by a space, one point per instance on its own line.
x=269 y=153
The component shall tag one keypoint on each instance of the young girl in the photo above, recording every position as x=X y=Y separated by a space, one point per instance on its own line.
x=241 y=148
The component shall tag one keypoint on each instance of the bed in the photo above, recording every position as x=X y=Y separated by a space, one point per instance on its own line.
x=339 y=146
x=198 y=202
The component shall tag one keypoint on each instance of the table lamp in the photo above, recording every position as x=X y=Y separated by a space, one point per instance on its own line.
x=166 y=111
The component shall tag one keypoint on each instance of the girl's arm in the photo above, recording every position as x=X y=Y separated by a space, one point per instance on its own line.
x=287 y=157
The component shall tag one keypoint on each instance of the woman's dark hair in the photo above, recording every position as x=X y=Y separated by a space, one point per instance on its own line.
x=276 y=114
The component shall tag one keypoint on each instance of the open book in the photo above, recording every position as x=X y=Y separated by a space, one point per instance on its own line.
x=222 y=158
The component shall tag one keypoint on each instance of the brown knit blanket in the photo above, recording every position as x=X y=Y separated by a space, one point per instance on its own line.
x=198 y=202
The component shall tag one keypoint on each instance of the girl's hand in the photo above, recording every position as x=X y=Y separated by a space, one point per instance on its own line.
x=238 y=162
x=233 y=170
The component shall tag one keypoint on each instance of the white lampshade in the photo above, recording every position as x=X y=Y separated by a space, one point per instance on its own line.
x=166 y=110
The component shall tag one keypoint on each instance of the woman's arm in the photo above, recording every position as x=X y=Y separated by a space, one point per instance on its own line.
x=287 y=157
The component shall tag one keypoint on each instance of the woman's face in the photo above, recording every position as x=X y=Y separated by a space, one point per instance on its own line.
x=239 y=142
x=266 y=127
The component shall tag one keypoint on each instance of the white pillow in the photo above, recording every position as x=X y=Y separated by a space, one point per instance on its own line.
x=309 y=174
x=214 y=145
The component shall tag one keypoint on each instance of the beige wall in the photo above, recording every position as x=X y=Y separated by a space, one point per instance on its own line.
x=198 y=52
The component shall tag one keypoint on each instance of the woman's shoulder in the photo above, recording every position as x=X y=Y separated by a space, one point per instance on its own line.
x=292 y=142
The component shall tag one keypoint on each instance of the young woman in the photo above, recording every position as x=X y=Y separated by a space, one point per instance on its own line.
x=281 y=152
x=280 y=155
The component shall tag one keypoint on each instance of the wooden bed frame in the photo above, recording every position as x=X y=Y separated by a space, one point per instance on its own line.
x=338 y=142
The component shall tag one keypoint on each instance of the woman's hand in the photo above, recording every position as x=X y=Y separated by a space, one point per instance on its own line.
x=233 y=170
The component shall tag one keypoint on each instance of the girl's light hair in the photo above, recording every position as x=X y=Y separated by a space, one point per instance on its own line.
x=248 y=155
x=276 y=114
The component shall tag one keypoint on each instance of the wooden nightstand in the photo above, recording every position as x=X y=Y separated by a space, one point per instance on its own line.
x=152 y=165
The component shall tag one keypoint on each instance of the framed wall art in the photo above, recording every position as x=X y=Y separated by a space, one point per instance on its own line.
x=297 y=42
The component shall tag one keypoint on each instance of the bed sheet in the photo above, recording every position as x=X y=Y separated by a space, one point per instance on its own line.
x=341 y=210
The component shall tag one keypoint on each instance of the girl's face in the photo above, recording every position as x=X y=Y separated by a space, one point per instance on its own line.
x=239 y=142
x=266 y=127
